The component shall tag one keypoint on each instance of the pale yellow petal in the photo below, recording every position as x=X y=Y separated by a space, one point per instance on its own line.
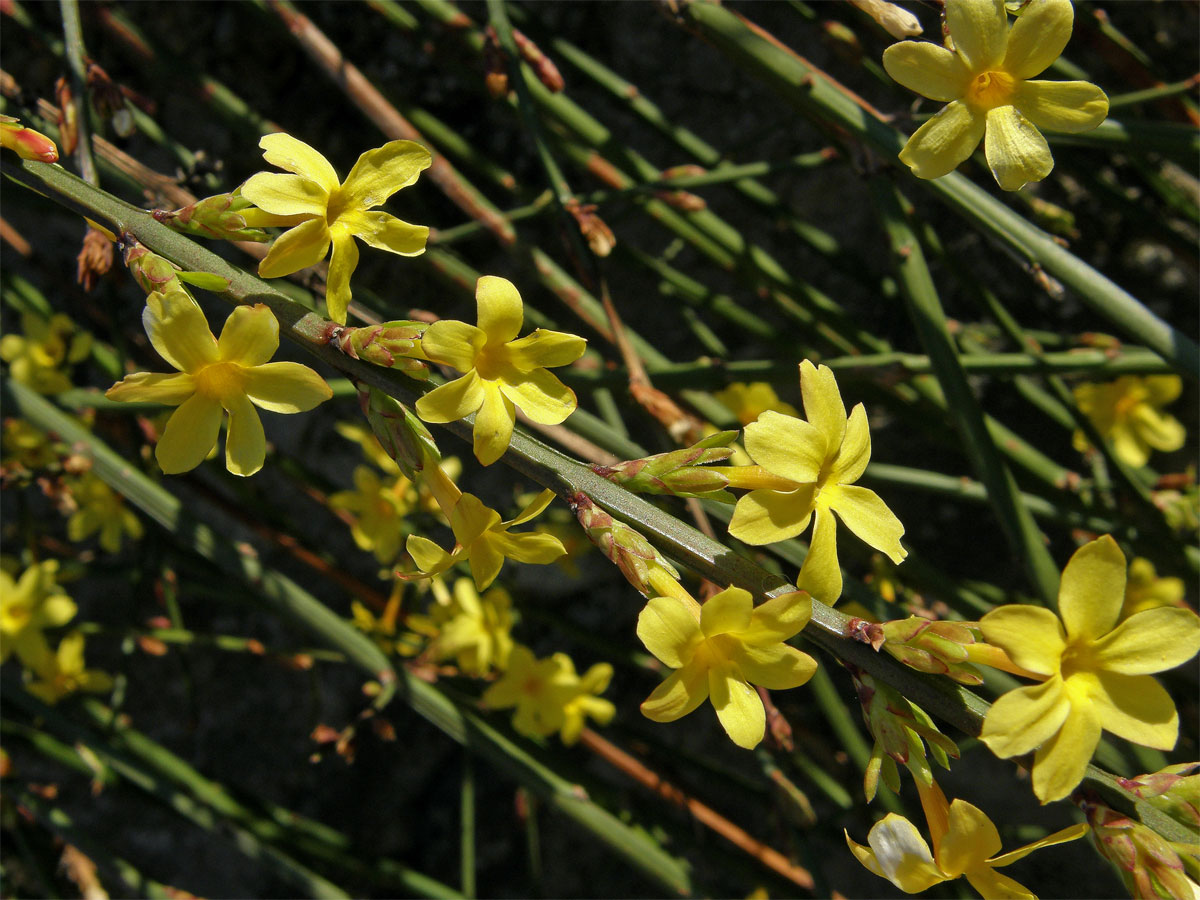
x=1160 y=430
x=190 y=434
x=779 y=619
x=293 y=155
x=679 y=695
x=1092 y=590
x=470 y=518
x=669 y=631
x=927 y=68
x=296 y=249
x=533 y=508
x=820 y=574
x=938 y=146
x=993 y=885
x=728 y=611
x=342 y=264
x=902 y=856
x=970 y=839
x=1137 y=708
x=179 y=331
x=776 y=668
x=980 y=31
x=1024 y=718
x=1067 y=106
x=499 y=309
x=1128 y=444
x=1032 y=636
x=764 y=517
x=285 y=387
x=855 y=451
x=147 y=387
x=384 y=231
x=245 y=444
x=788 y=447
x=1150 y=641
x=864 y=513
x=1059 y=764
x=381 y=172
x=1162 y=389
x=1059 y=837
x=286 y=195
x=453 y=343
x=1038 y=37
x=540 y=395
x=738 y=706
x=250 y=336
x=429 y=557
x=545 y=349
x=453 y=400
x=487 y=560
x=493 y=424
x=1016 y=151
x=823 y=405
x=535 y=547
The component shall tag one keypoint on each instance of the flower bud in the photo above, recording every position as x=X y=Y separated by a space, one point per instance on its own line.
x=25 y=142
x=394 y=345
x=95 y=259
x=936 y=647
x=678 y=472
x=155 y=273
x=218 y=217
x=635 y=556
x=1174 y=790
x=896 y=21
x=1147 y=863
x=401 y=434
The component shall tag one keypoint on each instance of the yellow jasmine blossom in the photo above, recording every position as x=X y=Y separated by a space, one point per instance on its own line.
x=230 y=374
x=27 y=605
x=538 y=688
x=26 y=446
x=1096 y=667
x=62 y=672
x=585 y=702
x=38 y=358
x=500 y=371
x=985 y=80
x=331 y=212
x=485 y=541
x=101 y=509
x=719 y=650
x=1129 y=413
x=749 y=401
x=475 y=630
x=964 y=845
x=806 y=472
x=1145 y=590
x=379 y=506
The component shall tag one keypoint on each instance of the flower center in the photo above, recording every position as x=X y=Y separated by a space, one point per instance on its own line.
x=14 y=618
x=218 y=381
x=491 y=362
x=1077 y=659
x=991 y=89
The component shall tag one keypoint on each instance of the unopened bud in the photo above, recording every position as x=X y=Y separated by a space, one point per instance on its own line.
x=25 y=142
x=678 y=472
x=936 y=647
x=1175 y=790
x=685 y=201
x=635 y=556
x=896 y=21
x=594 y=229
x=546 y=71
x=217 y=217
x=402 y=435
x=394 y=345
x=155 y=273
x=95 y=259
x=1149 y=865
x=68 y=123
x=843 y=41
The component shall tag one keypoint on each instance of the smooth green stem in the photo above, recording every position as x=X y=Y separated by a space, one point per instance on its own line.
x=76 y=54
x=466 y=826
x=1135 y=98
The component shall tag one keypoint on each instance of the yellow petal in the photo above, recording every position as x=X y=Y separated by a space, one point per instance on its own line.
x=545 y=349
x=499 y=309
x=866 y=855
x=250 y=336
x=429 y=557
x=1158 y=429
x=855 y=451
x=245 y=444
x=150 y=387
x=535 y=547
x=993 y=885
x=728 y=611
x=738 y=706
x=471 y=518
x=1162 y=389
x=788 y=447
x=1068 y=106
x=980 y=31
x=384 y=231
x=285 y=387
x=776 y=668
x=823 y=403
x=293 y=155
x=56 y=610
x=1060 y=763
x=540 y=395
x=179 y=332
x=286 y=195
x=487 y=560
x=679 y=695
x=1128 y=444
x=869 y=517
x=533 y=508
x=970 y=839
x=453 y=400
x=938 y=146
x=1024 y=718
x=1038 y=37
x=1016 y=151
x=381 y=172
x=1092 y=590
x=927 y=68
x=190 y=434
x=1059 y=837
x=1031 y=635
x=337 y=282
x=1137 y=708
x=454 y=343
x=669 y=631
x=902 y=855
x=1153 y=640
x=820 y=574
x=296 y=249
x=493 y=425
x=779 y=619
x=764 y=517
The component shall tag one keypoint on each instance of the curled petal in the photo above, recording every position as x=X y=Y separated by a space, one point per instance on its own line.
x=245 y=444
x=493 y=425
x=1137 y=708
x=286 y=195
x=250 y=336
x=927 y=68
x=545 y=349
x=337 y=282
x=1059 y=764
x=1025 y=718
x=1059 y=837
x=1038 y=37
x=820 y=574
x=540 y=395
x=777 y=668
x=738 y=706
x=285 y=387
x=669 y=631
x=381 y=172
x=296 y=249
x=868 y=516
x=728 y=611
x=293 y=155
x=384 y=231
x=1016 y=151
x=980 y=31
x=453 y=343
x=938 y=146
x=1067 y=106
x=679 y=695
x=453 y=400
x=190 y=434
x=499 y=309
x=150 y=387
x=1092 y=590
x=788 y=447
x=764 y=517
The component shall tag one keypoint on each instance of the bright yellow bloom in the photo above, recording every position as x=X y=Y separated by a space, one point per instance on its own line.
x=475 y=630
x=101 y=509
x=964 y=844
x=484 y=540
x=1097 y=670
x=62 y=672
x=985 y=81
x=1145 y=590
x=379 y=506
x=29 y=604
x=586 y=703
x=1129 y=413
x=38 y=358
x=500 y=372
x=810 y=469
x=329 y=212
x=719 y=650
x=231 y=374
x=749 y=401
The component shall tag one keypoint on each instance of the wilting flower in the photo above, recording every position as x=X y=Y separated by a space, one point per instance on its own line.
x=328 y=212
x=101 y=510
x=475 y=630
x=485 y=541
x=39 y=357
x=719 y=650
x=379 y=506
x=230 y=374
x=549 y=696
x=1129 y=413
x=964 y=846
x=806 y=471
x=62 y=672
x=500 y=371
x=31 y=603
x=1096 y=667
x=985 y=80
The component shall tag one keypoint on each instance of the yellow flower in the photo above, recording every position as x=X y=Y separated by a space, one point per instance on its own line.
x=749 y=401
x=1129 y=413
x=1145 y=590
x=1097 y=670
x=719 y=650
x=584 y=702
x=231 y=374
x=29 y=604
x=499 y=371
x=62 y=673
x=26 y=446
x=808 y=470
x=329 y=212
x=379 y=506
x=101 y=509
x=964 y=844
x=38 y=358
x=475 y=630
x=985 y=80
x=484 y=540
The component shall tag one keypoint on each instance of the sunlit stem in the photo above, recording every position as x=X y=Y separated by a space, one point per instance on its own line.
x=754 y=478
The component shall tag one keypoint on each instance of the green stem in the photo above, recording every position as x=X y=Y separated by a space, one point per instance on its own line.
x=76 y=61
